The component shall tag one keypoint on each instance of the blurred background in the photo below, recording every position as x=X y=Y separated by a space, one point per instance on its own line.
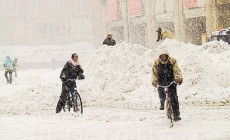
x=39 y=22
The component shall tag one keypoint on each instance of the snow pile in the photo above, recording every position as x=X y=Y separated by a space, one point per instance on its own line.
x=115 y=74
x=216 y=46
x=121 y=75
x=35 y=93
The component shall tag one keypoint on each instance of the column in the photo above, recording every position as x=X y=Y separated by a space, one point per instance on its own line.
x=149 y=14
x=179 y=20
x=125 y=18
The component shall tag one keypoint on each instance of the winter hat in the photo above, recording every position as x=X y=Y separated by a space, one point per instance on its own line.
x=163 y=50
x=7 y=57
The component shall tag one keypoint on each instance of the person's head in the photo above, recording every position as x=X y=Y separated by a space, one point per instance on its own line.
x=159 y=29
x=74 y=57
x=7 y=57
x=16 y=59
x=163 y=54
x=164 y=57
x=109 y=36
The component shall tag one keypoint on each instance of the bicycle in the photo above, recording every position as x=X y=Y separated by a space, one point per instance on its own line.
x=74 y=100
x=168 y=104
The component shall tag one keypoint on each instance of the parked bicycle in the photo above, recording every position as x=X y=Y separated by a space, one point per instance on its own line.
x=168 y=103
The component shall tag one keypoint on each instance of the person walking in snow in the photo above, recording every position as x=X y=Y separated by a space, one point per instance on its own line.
x=71 y=70
x=165 y=70
x=15 y=65
x=163 y=34
x=8 y=65
x=109 y=41
x=159 y=34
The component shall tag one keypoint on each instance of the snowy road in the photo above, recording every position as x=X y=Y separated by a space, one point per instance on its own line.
x=110 y=123
x=28 y=112
x=113 y=78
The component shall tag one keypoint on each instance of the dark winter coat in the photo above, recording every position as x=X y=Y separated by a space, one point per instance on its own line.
x=109 y=42
x=70 y=72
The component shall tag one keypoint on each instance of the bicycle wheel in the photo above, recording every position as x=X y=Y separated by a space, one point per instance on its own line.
x=78 y=103
x=169 y=112
x=68 y=103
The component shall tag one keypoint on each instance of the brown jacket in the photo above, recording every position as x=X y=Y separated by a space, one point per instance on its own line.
x=176 y=70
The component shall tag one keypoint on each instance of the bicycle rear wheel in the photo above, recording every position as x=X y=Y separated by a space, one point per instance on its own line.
x=169 y=112
x=78 y=103
x=68 y=103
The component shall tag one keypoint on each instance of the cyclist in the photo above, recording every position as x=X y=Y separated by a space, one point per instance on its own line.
x=71 y=70
x=166 y=70
x=8 y=64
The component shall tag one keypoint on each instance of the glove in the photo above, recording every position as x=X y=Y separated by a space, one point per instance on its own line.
x=154 y=83
x=81 y=77
x=178 y=80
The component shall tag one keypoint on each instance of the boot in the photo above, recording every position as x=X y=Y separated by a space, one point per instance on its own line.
x=177 y=118
x=58 y=110
x=7 y=79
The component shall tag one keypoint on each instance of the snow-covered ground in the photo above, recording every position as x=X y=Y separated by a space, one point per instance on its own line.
x=120 y=102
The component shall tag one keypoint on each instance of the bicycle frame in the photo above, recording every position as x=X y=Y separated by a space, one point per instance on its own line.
x=168 y=103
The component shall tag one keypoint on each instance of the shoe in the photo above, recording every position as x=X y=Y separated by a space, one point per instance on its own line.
x=162 y=106
x=176 y=119
x=58 y=109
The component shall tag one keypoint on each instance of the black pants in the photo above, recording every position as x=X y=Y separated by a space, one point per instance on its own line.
x=174 y=98
x=8 y=78
x=159 y=36
x=66 y=89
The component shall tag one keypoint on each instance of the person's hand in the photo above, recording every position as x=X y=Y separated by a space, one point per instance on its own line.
x=178 y=80
x=81 y=77
x=154 y=83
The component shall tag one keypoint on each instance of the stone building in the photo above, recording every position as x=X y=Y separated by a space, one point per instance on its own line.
x=136 y=21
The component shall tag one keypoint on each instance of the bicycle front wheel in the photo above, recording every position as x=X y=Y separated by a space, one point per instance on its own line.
x=78 y=103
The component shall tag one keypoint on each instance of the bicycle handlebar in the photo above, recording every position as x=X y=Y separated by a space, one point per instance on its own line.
x=173 y=82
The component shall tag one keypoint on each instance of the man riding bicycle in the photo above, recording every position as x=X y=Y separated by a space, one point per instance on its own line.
x=71 y=70
x=165 y=71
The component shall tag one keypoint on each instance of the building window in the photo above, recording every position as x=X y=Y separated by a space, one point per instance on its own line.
x=37 y=7
x=189 y=4
x=10 y=6
x=34 y=7
x=60 y=6
x=135 y=8
x=81 y=7
x=112 y=10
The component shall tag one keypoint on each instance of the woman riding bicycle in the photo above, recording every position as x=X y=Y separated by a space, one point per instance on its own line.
x=166 y=70
x=71 y=70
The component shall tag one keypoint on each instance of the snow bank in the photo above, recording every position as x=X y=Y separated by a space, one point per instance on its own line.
x=115 y=74
x=33 y=92
x=121 y=75
x=216 y=46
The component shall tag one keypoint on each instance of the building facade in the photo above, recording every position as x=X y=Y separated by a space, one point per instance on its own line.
x=136 y=21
